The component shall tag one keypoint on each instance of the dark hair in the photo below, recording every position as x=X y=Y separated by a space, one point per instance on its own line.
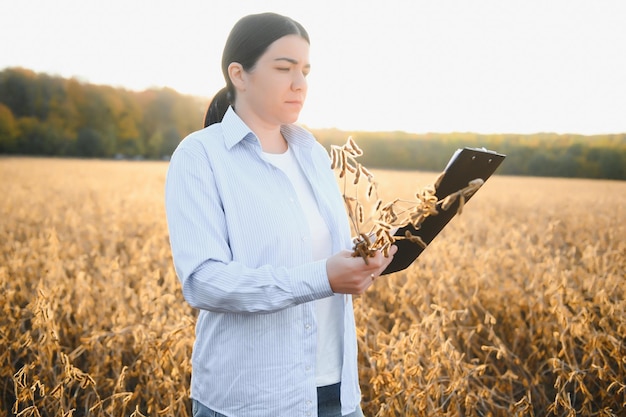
x=248 y=40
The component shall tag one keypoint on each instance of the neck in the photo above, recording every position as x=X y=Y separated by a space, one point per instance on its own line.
x=272 y=142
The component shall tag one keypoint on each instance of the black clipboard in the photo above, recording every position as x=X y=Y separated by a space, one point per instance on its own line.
x=466 y=164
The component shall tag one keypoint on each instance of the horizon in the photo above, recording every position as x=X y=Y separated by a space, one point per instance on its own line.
x=419 y=67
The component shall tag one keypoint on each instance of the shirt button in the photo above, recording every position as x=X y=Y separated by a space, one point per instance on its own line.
x=309 y=402
x=308 y=368
x=307 y=326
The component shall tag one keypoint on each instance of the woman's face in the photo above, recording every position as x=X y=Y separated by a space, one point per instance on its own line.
x=275 y=89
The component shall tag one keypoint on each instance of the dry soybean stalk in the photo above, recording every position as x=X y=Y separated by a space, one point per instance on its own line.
x=377 y=231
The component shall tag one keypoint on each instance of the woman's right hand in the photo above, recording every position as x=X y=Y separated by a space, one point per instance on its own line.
x=351 y=275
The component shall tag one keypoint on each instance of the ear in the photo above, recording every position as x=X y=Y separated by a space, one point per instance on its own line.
x=237 y=75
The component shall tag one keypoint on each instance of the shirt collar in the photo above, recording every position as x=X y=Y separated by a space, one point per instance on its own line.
x=235 y=130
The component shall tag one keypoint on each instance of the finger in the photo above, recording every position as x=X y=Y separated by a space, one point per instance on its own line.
x=387 y=260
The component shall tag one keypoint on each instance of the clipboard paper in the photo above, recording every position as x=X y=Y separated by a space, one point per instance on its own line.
x=467 y=170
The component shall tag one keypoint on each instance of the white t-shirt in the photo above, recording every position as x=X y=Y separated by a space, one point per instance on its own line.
x=329 y=311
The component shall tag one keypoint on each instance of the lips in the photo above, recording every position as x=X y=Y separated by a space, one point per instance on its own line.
x=295 y=103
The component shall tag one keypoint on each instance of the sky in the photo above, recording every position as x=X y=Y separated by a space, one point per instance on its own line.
x=483 y=66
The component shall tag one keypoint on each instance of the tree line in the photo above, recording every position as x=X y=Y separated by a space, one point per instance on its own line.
x=49 y=115
x=541 y=154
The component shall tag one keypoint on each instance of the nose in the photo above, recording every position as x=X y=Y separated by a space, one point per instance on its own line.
x=299 y=81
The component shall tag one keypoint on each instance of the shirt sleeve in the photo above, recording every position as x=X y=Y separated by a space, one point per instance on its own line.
x=199 y=239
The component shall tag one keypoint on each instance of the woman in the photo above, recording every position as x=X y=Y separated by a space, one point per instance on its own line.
x=260 y=241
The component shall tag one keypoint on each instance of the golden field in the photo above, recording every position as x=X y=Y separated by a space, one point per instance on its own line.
x=517 y=308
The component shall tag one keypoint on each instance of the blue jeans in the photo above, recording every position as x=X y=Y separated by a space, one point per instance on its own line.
x=199 y=410
x=328 y=405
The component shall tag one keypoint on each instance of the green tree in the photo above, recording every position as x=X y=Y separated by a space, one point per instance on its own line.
x=17 y=91
x=154 y=145
x=8 y=130
x=90 y=143
x=609 y=164
x=38 y=138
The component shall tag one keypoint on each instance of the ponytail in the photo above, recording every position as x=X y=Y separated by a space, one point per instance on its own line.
x=217 y=108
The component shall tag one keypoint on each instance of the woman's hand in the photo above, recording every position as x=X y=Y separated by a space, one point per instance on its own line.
x=351 y=275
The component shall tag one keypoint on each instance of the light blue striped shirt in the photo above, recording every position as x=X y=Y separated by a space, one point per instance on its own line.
x=242 y=250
